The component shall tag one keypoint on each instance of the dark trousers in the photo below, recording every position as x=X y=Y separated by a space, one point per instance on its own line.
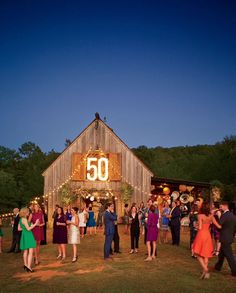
x=107 y=245
x=44 y=241
x=226 y=252
x=15 y=246
x=175 y=233
x=116 y=240
x=134 y=239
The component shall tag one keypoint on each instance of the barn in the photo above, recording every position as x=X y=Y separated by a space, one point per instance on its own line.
x=97 y=165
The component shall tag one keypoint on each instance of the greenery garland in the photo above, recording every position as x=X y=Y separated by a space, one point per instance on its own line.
x=126 y=192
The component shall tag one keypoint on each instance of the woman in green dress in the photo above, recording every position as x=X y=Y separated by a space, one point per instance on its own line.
x=27 y=241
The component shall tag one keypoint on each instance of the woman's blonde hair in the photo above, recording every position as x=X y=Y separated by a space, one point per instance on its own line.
x=23 y=212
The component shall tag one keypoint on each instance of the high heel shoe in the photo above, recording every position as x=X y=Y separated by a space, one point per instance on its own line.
x=63 y=258
x=59 y=256
x=74 y=259
x=25 y=268
x=29 y=270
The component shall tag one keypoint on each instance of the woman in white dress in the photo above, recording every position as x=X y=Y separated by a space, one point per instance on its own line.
x=73 y=232
x=82 y=221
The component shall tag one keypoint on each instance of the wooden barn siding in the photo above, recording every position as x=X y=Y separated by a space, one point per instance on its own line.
x=133 y=171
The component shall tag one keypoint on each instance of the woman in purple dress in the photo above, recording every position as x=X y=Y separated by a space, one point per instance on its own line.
x=60 y=233
x=38 y=229
x=152 y=232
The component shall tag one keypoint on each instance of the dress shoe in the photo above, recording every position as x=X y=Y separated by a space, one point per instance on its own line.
x=108 y=259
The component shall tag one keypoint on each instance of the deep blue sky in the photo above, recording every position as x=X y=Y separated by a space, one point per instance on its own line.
x=162 y=72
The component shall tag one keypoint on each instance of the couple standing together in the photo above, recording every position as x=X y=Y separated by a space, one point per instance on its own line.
x=203 y=245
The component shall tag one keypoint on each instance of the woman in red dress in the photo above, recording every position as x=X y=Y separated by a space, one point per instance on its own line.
x=203 y=244
x=38 y=231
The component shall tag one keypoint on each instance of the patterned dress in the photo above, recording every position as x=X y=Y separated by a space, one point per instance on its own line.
x=73 y=233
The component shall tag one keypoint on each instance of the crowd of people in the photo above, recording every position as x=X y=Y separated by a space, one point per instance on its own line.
x=212 y=230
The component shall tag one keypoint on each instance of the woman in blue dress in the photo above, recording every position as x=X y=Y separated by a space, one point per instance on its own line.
x=165 y=222
x=91 y=224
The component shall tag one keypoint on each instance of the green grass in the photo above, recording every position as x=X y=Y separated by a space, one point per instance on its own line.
x=173 y=271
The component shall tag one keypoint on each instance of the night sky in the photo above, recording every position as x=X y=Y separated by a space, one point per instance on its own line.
x=162 y=72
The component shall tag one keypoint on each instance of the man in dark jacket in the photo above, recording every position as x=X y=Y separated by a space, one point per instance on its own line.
x=175 y=222
x=15 y=246
x=227 y=232
x=109 y=222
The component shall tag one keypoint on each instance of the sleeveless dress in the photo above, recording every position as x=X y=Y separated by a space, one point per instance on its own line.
x=38 y=230
x=73 y=233
x=203 y=244
x=27 y=238
x=59 y=231
x=91 y=220
x=165 y=220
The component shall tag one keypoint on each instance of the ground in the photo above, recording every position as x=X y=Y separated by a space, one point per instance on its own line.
x=174 y=270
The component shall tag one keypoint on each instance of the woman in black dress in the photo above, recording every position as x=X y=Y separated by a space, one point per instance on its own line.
x=134 y=229
x=60 y=233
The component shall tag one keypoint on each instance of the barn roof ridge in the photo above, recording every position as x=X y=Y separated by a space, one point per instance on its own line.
x=110 y=129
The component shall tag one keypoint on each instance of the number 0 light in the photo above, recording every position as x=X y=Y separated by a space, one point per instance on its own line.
x=97 y=174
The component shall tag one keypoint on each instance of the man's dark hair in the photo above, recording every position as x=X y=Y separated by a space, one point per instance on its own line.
x=224 y=203
x=108 y=205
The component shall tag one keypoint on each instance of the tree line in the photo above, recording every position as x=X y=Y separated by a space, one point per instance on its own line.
x=21 y=179
x=215 y=164
x=20 y=174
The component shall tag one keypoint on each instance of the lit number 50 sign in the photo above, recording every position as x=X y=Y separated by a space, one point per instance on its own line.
x=97 y=169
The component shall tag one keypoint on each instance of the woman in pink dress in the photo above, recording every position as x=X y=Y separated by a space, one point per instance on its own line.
x=152 y=232
x=38 y=230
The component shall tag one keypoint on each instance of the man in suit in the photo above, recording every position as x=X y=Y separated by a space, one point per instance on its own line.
x=116 y=238
x=109 y=222
x=15 y=246
x=175 y=222
x=227 y=232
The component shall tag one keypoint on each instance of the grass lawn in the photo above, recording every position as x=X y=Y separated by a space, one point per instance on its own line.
x=173 y=270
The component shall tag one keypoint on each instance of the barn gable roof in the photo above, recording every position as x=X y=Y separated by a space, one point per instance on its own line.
x=113 y=133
